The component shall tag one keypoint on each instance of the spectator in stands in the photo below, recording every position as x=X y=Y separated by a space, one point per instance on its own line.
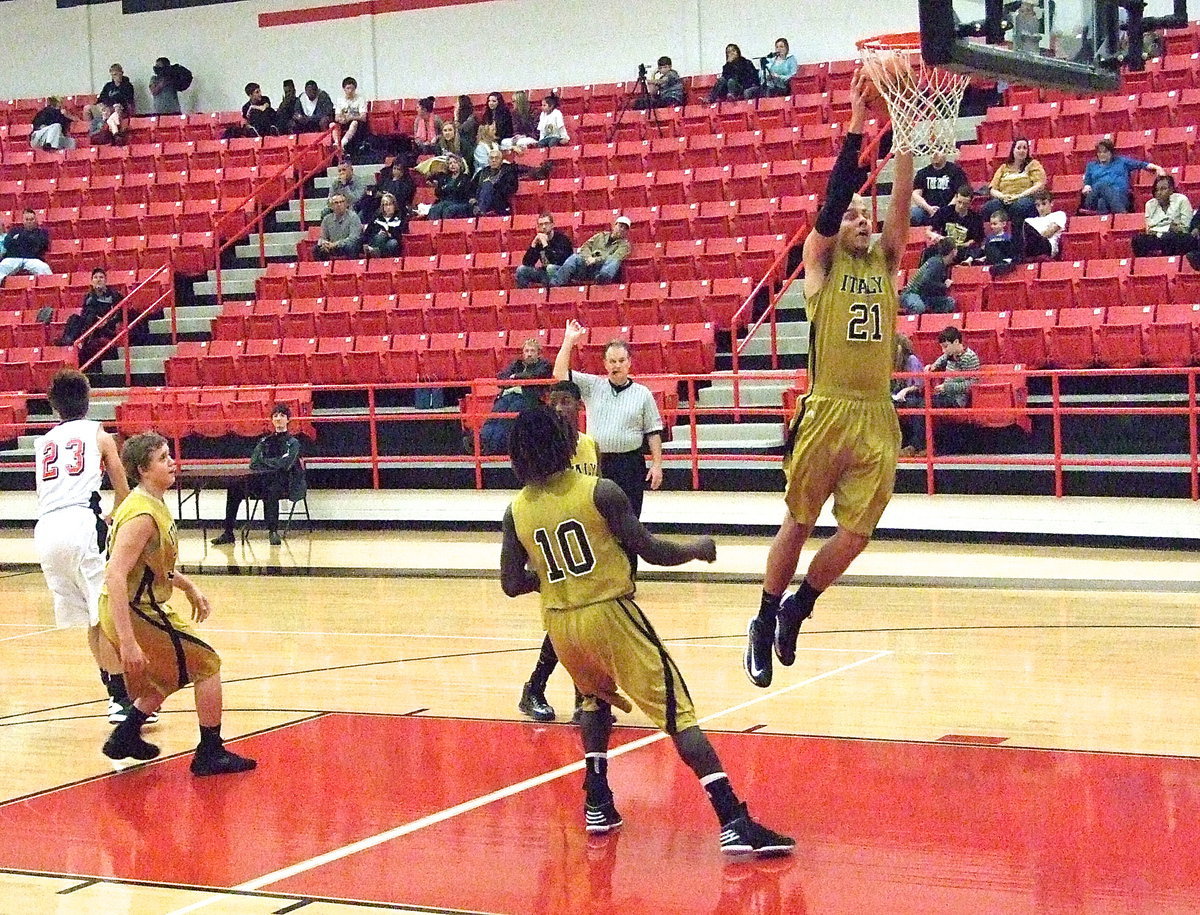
x=493 y=437
x=452 y=190
x=959 y=223
x=466 y=125
x=51 y=127
x=385 y=235
x=276 y=473
x=998 y=247
x=453 y=143
x=392 y=179
x=1106 y=187
x=934 y=186
x=498 y=115
x=1043 y=232
x=426 y=127
x=664 y=87
x=341 y=231
x=258 y=115
x=486 y=145
x=350 y=112
x=24 y=247
x=1168 y=221
x=599 y=259
x=1015 y=182
x=955 y=357
x=778 y=70
x=929 y=288
x=347 y=184
x=524 y=122
x=909 y=393
x=165 y=86
x=493 y=186
x=99 y=300
x=314 y=112
x=738 y=79
x=118 y=99
x=289 y=104
x=547 y=252
x=551 y=128
x=1027 y=29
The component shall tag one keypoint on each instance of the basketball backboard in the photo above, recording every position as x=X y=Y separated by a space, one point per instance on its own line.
x=1077 y=45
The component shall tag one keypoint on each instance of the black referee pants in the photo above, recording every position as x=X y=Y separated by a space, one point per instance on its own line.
x=628 y=470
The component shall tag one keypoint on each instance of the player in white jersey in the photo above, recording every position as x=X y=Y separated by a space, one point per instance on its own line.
x=71 y=459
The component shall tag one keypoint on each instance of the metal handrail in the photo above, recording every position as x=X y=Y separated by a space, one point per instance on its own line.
x=123 y=307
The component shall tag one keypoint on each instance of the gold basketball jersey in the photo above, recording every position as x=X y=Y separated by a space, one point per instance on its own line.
x=587 y=456
x=571 y=548
x=853 y=325
x=148 y=583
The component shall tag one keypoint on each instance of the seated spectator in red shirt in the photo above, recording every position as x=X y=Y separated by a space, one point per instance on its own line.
x=426 y=127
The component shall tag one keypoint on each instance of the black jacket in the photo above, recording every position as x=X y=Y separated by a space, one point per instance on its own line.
x=51 y=115
x=279 y=454
x=501 y=118
x=114 y=94
x=556 y=252
x=22 y=242
x=450 y=189
x=503 y=178
x=742 y=70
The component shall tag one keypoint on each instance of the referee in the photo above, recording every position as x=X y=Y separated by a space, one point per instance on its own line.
x=621 y=415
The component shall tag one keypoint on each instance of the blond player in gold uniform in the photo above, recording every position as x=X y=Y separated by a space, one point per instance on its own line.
x=160 y=650
x=566 y=399
x=566 y=536
x=845 y=437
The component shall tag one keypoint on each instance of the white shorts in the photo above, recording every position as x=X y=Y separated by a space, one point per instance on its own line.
x=65 y=541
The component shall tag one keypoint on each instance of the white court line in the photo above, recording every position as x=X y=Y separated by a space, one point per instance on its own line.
x=25 y=635
x=467 y=806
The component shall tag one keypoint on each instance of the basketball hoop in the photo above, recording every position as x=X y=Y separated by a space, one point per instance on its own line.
x=922 y=101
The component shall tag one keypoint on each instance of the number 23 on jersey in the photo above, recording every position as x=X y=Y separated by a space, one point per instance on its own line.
x=74 y=457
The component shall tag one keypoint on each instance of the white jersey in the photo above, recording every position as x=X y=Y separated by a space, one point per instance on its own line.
x=68 y=468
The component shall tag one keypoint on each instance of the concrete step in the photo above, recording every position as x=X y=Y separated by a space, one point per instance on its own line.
x=727 y=437
x=278 y=244
x=753 y=391
x=791 y=338
x=193 y=319
x=234 y=281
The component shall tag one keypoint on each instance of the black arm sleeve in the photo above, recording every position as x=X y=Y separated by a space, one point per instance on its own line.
x=845 y=180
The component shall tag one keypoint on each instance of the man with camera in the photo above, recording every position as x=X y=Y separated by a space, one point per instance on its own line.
x=547 y=252
x=664 y=87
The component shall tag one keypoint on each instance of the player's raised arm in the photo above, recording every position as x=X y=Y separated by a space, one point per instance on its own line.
x=844 y=181
x=614 y=505
x=110 y=458
x=899 y=214
x=516 y=578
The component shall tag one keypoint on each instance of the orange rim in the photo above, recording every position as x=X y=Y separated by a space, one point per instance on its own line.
x=898 y=41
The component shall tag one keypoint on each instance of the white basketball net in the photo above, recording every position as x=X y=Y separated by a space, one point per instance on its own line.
x=922 y=101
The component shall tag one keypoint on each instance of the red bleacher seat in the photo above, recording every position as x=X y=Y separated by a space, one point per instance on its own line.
x=983 y=331
x=1071 y=343
x=1025 y=339
x=1174 y=337
x=1120 y=339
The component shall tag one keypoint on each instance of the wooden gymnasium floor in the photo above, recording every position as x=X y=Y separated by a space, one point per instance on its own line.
x=975 y=728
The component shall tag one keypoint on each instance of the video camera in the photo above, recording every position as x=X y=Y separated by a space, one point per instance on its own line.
x=642 y=70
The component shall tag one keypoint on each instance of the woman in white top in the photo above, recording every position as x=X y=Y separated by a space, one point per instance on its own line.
x=483 y=148
x=552 y=130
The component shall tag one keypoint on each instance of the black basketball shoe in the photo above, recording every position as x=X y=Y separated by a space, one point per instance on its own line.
x=787 y=629
x=757 y=659
x=220 y=762
x=744 y=836
x=533 y=705
x=124 y=744
x=601 y=817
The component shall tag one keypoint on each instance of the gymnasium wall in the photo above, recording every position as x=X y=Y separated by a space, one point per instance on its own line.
x=441 y=49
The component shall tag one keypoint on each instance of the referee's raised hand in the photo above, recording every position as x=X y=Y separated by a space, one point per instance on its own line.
x=575 y=332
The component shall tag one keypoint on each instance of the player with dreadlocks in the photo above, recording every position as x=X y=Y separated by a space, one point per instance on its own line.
x=566 y=535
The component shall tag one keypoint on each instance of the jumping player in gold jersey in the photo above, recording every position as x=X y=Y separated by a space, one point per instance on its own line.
x=845 y=437
x=566 y=536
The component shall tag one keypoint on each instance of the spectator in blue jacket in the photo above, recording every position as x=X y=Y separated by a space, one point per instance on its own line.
x=779 y=69
x=1106 y=179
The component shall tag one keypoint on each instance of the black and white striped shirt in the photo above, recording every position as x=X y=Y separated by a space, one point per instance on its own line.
x=618 y=418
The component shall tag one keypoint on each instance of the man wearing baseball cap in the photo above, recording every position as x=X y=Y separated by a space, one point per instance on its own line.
x=599 y=260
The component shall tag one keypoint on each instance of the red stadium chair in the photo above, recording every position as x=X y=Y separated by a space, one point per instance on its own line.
x=1071 y=343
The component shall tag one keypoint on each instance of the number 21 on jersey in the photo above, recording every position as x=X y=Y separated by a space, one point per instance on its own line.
x=568 y=548
x=865 y=324
x=76 y=464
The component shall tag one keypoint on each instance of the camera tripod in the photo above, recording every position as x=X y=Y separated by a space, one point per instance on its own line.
x=639 y=92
